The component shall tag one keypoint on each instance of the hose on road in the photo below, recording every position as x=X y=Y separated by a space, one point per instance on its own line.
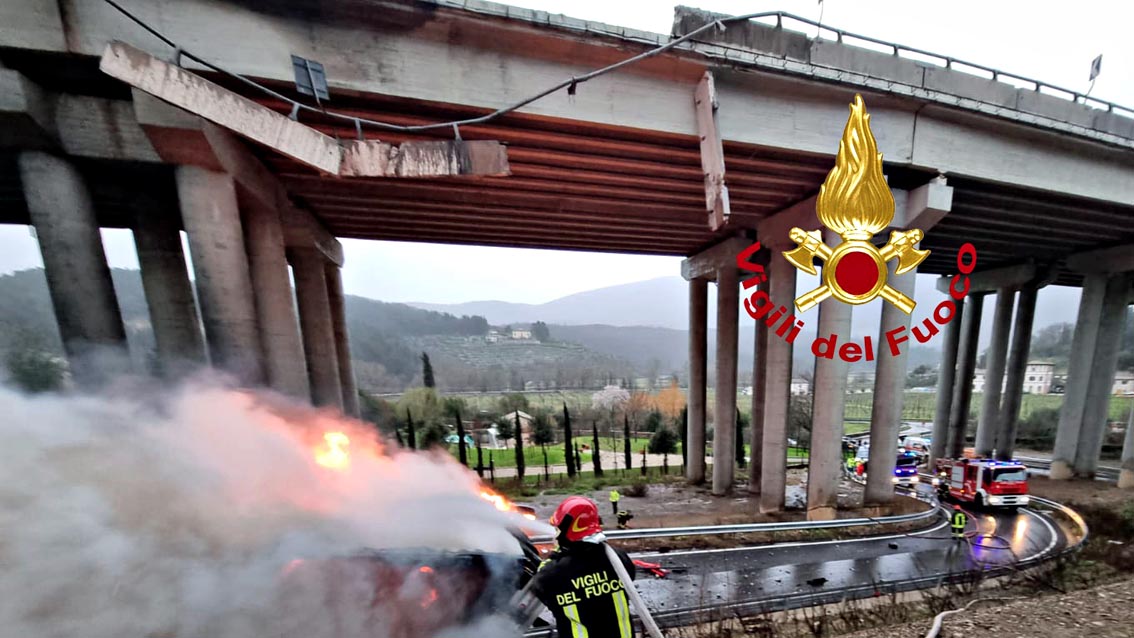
x=937 y=620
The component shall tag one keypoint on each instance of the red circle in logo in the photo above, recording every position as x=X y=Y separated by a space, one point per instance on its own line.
x=856 y=273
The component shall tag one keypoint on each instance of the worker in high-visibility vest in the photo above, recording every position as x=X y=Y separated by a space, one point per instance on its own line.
x=614 y=498
x=578 y=583
x=958 y=522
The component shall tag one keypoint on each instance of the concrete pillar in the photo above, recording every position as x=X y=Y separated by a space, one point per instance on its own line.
x=1126 y=475
x=211 y=216
x=318 y=329
x=698 y=354
x=889 y=395
x=342 y=339
x=946 y=375
x=78 y=279
x=169 y=293
x=724 y=418
x=1097 y=405
x=988 y=425
x=275 y=307
x=1017 y=368
x=825 y=463
x=1079 y=366
x=777 y=392
x=759 y=389
x=963 y=383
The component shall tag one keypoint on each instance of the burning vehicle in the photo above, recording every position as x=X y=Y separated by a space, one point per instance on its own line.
x=414 y=592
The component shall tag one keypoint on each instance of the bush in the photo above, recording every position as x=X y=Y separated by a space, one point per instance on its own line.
x=653 y=421
x=433 y=435
x=638 y=489
x=664 y=441
x=35 y=370
x=1038 y=430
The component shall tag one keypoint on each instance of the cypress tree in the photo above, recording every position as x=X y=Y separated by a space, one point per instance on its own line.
x=740 y=442
x=568 y=450
x=684 y=435
x=411 y=433
x=626 y=439
x=462 y=450
x=519 y=448
x=427 y=372
x=479 y=460
x=578 y=460
x=596 y=457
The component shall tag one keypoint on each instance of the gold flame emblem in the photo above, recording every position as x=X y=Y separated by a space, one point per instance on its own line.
x=855 y=202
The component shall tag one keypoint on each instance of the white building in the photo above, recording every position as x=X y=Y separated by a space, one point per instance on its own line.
x=1038 y=378
x=1123 y=383
x=800 y=386
x=521 y=333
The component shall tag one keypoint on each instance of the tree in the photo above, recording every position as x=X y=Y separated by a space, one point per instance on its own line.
x=664 y=441
x=540 y=331
x=626 y=438
x=462 y=450
x=377 y=411
x=684 y=434
x=514 y=401
x=519 y=449
x=433 y=435
x=653 y=421
x=741 y=424
x=542 y=433
x=595 y=456
x=568 y=450
x=479 y=459
x=427 y=372
x=424 y=402
x=411 y=434
x=578 y=460
x=610 y=398
x=504 y=430
x=36 y=370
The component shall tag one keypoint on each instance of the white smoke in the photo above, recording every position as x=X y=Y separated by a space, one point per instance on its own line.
x=177 y=517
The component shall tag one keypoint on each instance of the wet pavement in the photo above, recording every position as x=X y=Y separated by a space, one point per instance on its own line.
x=715 y=577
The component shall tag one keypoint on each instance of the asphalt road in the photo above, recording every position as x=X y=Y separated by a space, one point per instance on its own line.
x=715 y=577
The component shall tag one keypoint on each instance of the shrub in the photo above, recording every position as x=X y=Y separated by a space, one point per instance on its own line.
x=638 y=489
x=664 y=441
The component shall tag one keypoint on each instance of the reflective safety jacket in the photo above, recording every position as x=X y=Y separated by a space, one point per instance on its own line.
x=958 y=522
x=581 y=588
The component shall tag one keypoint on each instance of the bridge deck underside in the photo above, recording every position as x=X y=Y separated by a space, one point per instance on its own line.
x=581 y=186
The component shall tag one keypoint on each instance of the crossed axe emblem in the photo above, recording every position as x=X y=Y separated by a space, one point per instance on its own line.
x=861 y=278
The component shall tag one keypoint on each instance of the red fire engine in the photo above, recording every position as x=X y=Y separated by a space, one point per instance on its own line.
x=984 y=482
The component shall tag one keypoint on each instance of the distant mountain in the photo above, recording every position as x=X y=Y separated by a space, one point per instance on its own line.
x=664 y=303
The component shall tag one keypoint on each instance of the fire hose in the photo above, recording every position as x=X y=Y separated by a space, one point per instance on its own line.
x=529 y=607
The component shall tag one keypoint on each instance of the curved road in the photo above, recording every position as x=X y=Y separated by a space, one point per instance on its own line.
x=777 y=572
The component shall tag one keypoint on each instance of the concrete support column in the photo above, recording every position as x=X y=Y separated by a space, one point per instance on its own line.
x=1017 y=368
x=724 y=425
x=825 y=462
x=318 y=328
x=275 y=308
x=1101 y=379
x=759 y=390
x=946 y=376
x=169 y=293
x=1126 y=474
x=78 y=279
x=342 y=340
x=211 y=216
x=963 y=384
x=989 y=425
x=889 y=395
x=777 y=392
x=698 y=355
x=1079 y=367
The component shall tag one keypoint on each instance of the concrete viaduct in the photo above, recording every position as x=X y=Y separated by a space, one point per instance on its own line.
x=696 y=151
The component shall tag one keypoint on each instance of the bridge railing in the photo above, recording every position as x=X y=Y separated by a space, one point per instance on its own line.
x=945 y=61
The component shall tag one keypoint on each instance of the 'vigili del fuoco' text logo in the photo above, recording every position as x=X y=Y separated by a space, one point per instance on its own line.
x=856 y=203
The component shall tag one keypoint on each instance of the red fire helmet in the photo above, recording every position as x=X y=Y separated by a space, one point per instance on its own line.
x=584 y=518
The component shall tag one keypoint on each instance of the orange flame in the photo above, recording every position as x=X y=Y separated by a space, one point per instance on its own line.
x=333 y=453
x=498 y=500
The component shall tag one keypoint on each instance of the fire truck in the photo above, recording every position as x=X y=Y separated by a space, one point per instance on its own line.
x=983 y=482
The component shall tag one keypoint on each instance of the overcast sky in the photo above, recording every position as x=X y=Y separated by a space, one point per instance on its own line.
x=1050 y=41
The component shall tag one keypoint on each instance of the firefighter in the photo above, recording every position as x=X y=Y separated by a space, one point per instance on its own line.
x=614 y=498
x=578 y=583
x=958 y=522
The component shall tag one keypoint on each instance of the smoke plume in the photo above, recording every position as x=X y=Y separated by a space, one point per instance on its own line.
x=180 y=516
